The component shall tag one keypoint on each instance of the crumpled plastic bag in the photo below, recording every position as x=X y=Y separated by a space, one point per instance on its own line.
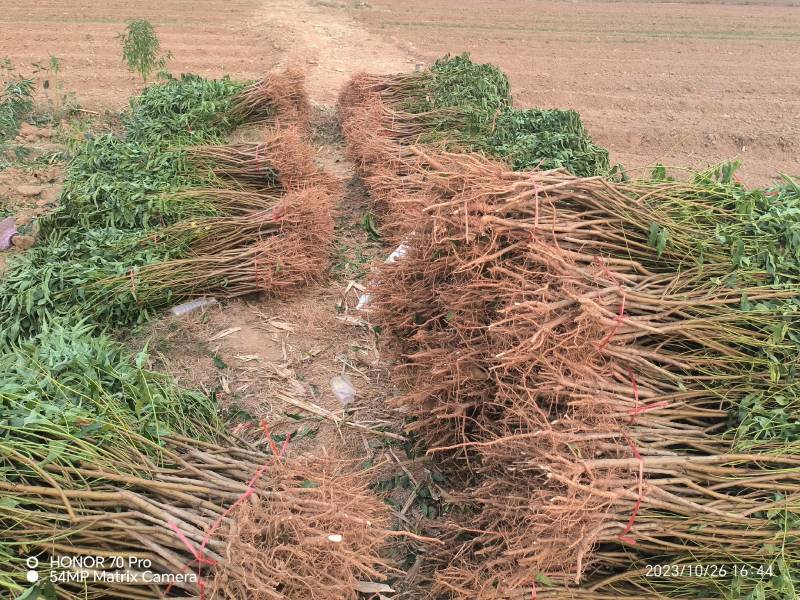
x=343 y=389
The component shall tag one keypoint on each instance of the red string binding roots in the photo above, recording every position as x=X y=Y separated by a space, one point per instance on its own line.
x=199 y=552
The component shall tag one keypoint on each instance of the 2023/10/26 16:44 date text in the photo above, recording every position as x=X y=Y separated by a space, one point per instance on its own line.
x=717 y=571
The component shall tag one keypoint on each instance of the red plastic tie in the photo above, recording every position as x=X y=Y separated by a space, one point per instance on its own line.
x=624 y=537
x=199 y=553
x=604 y=269
x=648 y=407
x=277 y=455
x=265 y=428
x=637 y=409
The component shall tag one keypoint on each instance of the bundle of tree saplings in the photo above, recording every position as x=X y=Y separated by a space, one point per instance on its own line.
x=615 y=365
x=469 y=106
x=114 y=180
x=121 y=485
x=280 y=98
x=167 y=212
x=275 y=252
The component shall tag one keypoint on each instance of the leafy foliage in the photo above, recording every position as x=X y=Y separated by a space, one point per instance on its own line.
x=717 y=219
x=471 y=105
x=459 y=83
x=16 y=100
x=140 y=48
x=186 y=110
x=114 y=180
x=546 y=139
x=68 y=381
x=108 y=184
x=54 y=281
x=114 y=195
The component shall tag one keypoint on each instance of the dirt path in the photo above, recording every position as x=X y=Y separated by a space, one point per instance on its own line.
x=330 y=45
x=240 y=38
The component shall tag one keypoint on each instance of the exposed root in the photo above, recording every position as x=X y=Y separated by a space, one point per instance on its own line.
x=319 y=535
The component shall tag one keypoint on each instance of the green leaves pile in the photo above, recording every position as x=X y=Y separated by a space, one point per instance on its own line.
x=113 y=196
x=715 y=219
x=113 y=181
x=68 y=383
x=188 y=110
x=545 y=139
x=471 y=105
x=16 y=99
x=459 y=83
x=52 y=282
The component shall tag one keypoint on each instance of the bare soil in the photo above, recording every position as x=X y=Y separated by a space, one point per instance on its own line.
x=207 y=37
x=682 y=83
x=686 y=84
x=240 y=38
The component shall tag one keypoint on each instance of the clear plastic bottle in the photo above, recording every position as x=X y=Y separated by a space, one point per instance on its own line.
x=192 y=305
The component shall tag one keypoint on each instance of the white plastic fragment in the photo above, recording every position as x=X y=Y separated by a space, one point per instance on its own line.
x=369 y=587
x=342 y=388
x=363 y=301
x=335 y=538
x=398 y=253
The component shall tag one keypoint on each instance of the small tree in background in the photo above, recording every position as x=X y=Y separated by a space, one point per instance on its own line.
x=140 y=48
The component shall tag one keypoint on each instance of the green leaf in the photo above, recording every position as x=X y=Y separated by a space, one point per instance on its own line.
x=544 y=580
x=32 y=593
x=745 y=302
x=368 y=223
x=49 y=591
x=56 y=449
x=659 y=173
x=657 y=238
x=8 y=502
x=142 y=358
